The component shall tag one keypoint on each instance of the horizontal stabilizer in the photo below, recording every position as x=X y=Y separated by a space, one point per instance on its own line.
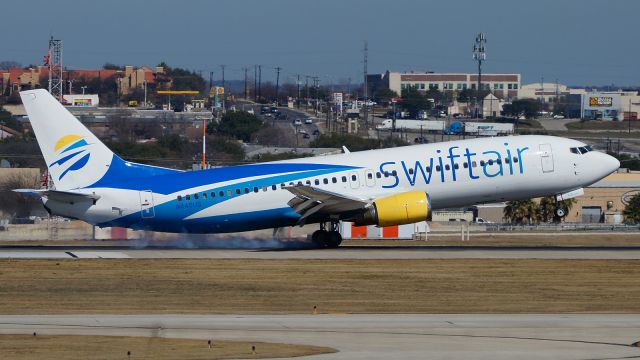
x=56 y=195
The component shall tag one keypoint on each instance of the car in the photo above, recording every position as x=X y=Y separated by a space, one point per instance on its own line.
x=457 y=116
x=480 y=220
x=302 y=131
x=264 y=110
x=306 y=136
x=558 y=116
x=297 y=122
x=420 y=140
x=274 y=109
x=308 y=121
x=316 y=132
x=281 y=116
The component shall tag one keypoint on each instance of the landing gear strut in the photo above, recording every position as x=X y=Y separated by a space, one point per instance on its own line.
x=327 y=238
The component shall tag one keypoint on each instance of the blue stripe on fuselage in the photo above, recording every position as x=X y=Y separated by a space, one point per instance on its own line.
x=168 y=183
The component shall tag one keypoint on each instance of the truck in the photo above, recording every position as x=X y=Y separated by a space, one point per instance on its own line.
x=478 y=128
x=413 y=125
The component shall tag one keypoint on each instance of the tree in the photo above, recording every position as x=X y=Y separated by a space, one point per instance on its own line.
x=548 y=207
x=5 y=65
x=632 y=210
x=520 y=211
x=527 y=107
x=384 y=94
x=239 y=124
x=413 y=100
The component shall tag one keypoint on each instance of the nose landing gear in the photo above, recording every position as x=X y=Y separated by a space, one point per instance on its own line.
x=327 y=238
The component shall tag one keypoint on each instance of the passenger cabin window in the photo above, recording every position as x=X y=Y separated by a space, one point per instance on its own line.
x=334 y=180
x=229 y=192
x=273 y=187
x=325 y=181
x=204 y=195
x=353 y=178
x=344 y=179
x=238 y=191
x=195 y=196
x=179 y=198
x=378 y=175
x=447 y=167
x=369 y=176
x=188 y=197
x=255 y=189
x=213 y=194
x=221 y=193
x=317 y=182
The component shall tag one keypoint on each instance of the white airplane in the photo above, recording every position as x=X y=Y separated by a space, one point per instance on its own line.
x=377 y=187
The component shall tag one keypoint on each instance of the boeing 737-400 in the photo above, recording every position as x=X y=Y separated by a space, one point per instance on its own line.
x=376 y=187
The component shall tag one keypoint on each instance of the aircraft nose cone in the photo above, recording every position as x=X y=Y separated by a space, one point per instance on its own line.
x=611 y=163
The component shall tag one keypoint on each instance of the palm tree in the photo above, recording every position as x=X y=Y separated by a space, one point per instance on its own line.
x=520 y=211
x=632 y=210
x=549 y=205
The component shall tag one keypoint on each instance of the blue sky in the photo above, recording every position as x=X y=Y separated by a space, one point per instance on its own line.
x=579 y=42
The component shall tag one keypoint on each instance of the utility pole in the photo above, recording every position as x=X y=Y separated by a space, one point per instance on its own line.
x=278 y=84
x=479 y=55
x=222 y=67
x=298 y=99
x=306 y=103
x=245 y=82
x=366 y=90
x=259 y=81
x=255 y=83
x=316 y=85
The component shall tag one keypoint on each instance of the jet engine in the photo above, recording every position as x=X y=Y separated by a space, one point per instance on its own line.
x=404 y=208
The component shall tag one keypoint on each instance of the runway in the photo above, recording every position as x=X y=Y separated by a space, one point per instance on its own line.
x=342 y=253
x=376 y=336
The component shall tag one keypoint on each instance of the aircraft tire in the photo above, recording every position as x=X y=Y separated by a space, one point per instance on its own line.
x=318 y=238
x=333 y=239
x=560 y=212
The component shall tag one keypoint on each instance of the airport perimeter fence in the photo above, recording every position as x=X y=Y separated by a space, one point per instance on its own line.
x=561 y=227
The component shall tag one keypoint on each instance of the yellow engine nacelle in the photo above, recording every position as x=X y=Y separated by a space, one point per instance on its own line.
x=405 y=208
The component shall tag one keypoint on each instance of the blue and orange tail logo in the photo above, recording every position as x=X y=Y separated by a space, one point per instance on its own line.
x=73 y=149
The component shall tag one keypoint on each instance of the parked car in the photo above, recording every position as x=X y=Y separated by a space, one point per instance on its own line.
x=281 y=116
x=306 y=136
x=316 y=132
x=297 y=122
x=308 y=121
x=420 y=140
x=264 y=110
x=558 y=116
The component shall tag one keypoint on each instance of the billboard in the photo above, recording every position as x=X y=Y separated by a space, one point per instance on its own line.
x=600 y=101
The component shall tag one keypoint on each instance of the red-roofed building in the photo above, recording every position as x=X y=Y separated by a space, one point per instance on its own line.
x=17 y=79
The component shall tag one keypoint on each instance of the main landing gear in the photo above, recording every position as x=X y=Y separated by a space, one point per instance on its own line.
x=327 y=238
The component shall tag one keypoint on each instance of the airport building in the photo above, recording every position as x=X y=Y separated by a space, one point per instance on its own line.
x=503 y=86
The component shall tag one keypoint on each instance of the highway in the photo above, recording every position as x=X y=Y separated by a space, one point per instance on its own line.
x=375 y=336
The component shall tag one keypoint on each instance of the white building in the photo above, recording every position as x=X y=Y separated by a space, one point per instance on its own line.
x=503 y=86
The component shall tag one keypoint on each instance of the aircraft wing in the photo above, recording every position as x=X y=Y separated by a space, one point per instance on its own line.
x=310 y=200
x=62 y=196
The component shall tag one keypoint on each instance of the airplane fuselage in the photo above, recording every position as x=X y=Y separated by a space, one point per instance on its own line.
x=248 y=197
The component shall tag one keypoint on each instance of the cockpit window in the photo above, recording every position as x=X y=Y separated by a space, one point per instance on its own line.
x=581 y=150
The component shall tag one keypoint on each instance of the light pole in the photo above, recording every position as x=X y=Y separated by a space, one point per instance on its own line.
x=145 y=93
x=83 y=89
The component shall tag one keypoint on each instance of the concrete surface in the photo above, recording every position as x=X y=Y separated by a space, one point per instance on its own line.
x=374 y=336
x=345 y=252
